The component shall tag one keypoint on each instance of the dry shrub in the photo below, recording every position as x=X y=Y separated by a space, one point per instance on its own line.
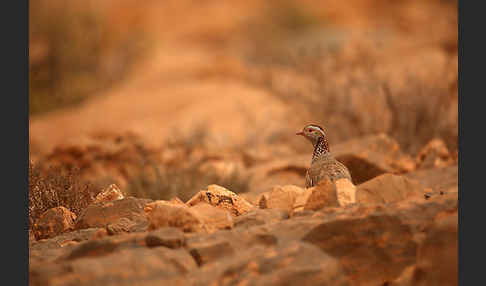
x=73 y=53
x=57 y=187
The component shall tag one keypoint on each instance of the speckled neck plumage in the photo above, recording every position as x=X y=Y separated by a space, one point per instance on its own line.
x=321 y=148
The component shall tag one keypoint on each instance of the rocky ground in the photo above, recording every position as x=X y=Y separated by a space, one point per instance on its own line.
x=401 y=229
x=197 y=175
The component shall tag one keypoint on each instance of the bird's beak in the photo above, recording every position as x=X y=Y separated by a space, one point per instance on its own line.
x=299 y=133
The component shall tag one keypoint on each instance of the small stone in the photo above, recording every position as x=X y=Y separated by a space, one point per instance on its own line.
x=321 y=196
x=54 y=222
x=165 y=214
x=283 y=197
x=221 y=197
x=111 y=193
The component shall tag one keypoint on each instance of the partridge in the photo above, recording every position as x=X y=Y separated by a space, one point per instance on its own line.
x=323 y=163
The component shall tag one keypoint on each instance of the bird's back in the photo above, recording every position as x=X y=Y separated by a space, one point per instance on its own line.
x=326 y=166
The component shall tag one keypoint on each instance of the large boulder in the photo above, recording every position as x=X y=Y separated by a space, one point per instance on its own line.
x=105 y=213
x=54 y=222
x=438 y=179
x=436 y=257
x=374 y=244
x=212 y=217
x=388 y=188
x=372 y=249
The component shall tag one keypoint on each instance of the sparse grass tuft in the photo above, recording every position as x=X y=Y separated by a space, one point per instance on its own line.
x=57 y=187
x=185 y=174
x=182 y=182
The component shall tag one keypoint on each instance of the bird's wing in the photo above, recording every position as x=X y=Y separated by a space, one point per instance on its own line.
x=308 y=180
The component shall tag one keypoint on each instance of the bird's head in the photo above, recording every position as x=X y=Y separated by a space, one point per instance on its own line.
x=312 y=132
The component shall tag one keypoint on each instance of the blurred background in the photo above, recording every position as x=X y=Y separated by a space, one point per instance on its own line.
x=132 y=91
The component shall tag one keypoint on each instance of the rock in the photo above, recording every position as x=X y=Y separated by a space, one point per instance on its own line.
x=92 y=248
x=208 y=248
x=54 y=222
x=212 y=217
x=221 y=198
x=42 y=248
x=374 y=243
x=437 y=256
x=165 y=214
x=346 y=192
x=111 y=193
x=300 y=202
x=170 y=237
x=48 y=250
x=434 y=155
x=282 y=198
x=371 y=249
x=260 y=217
x=388 y=188
x=125 y=225
x=438 y=179
x=321 y=196
x=176 y=200
x=132 y=266
x=200 y=217
x=371 y=156
x=293 y=263
x=208 y=251
x=105 y=213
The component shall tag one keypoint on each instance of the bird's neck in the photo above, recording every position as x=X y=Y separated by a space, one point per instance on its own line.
x=320 y=148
